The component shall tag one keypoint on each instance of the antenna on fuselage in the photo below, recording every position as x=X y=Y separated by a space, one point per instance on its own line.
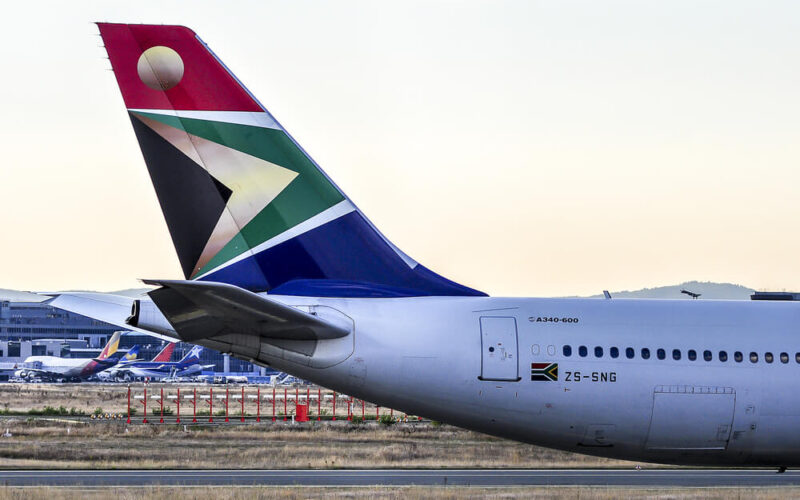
x=606 y=294
x=691 y=294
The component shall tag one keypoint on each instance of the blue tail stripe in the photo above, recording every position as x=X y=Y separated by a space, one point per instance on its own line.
x=347 y=250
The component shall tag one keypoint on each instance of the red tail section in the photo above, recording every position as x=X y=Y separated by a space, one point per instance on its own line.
x=169 y=67
x=166 y=353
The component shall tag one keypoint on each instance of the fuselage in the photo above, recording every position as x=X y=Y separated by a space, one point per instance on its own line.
x=66 y=367
x=722 y=394
x=153 y=369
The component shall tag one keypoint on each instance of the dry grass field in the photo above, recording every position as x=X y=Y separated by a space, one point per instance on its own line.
x=55 y=443
x=112 y=398
x=63 y=443
x=58 y=442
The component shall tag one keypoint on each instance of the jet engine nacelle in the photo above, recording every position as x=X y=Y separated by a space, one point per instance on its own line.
x=145 y=315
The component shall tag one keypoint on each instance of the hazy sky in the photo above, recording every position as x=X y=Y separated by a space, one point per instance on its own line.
x=518 y=147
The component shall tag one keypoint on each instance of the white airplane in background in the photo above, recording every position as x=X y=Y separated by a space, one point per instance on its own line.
x=284 y=270
x=72 y=369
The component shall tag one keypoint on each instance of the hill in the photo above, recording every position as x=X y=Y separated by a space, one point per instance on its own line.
x=707 y=289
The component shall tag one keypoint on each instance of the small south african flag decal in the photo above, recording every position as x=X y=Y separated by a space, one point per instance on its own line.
x=544 y=372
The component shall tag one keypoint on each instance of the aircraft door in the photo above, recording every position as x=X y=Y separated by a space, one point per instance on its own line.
x=499 y=350
x=691 y=418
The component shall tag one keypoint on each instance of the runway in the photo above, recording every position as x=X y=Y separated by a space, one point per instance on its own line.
x=407 y=477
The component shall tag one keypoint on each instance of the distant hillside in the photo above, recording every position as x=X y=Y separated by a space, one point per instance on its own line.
x=17 y=296
x=133 y=292
x=708 y=290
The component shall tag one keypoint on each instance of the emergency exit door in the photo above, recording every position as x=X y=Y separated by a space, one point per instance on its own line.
x=499 y=352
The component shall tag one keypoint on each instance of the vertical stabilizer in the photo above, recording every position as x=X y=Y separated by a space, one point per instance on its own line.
x=111 y=346
x=244 y=203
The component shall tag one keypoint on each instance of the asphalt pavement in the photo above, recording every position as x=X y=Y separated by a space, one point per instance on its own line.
x=406 y=477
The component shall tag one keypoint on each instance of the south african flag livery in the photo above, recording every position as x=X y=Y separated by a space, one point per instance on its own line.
x=544 y=372
x=244 y=203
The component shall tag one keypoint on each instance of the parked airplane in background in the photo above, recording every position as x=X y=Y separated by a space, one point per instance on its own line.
x=283 y=269
x=154 y=370
x=113 y=373
x=72 y=369
x=131 y=355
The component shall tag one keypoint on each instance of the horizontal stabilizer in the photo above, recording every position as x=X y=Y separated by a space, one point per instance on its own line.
x=201 y=309
x=113 y=309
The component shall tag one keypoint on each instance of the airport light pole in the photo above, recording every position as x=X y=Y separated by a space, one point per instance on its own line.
x=210 y=404
x=194 y=406
x=227 y=396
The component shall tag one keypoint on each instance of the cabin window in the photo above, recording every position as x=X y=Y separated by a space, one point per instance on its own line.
x=535 y=349
x=768 y=357
x=754 y=357
x=567 y=350
x=582 y=351
x=692 y=354
x=598 y=352
x=645 y=353
x=614 y=352
x=660 y=354
x=707 y=355
x=797 y=357
x=629 y=353
x=784 y=357
x=723 y=356
x=738 y=357
x=676 y=354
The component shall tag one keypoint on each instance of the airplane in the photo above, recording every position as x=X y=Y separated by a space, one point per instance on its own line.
x=189 y=365
x=72 y=369
x=113 y=373
x=281 y=268
x=131 y=355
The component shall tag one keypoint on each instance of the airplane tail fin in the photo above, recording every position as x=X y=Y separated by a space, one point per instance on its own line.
x=244 y=203
x=193 y=356
x=111 y=346
x=132 y=353
x=166 y=353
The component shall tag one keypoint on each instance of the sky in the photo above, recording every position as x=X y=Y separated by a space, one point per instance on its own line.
x=518 y=147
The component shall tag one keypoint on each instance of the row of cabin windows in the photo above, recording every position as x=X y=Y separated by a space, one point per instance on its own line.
x=677 y=354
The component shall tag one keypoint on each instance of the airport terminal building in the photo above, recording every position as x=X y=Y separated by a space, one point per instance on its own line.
x=36 y=329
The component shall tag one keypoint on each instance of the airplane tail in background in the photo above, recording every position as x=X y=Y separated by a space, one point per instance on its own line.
x=111 y=347
x=192 y=357
x=244 y=203
x=166 y=353
x=132 y=354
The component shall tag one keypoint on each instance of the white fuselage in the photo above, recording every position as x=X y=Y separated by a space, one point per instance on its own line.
x=54 y=366
x=429 y=356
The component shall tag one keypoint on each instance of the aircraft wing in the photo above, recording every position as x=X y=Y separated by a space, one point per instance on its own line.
x=200 y=309
x=106 y=307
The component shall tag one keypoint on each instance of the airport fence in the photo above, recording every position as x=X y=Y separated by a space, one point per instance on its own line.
x=247 y=403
